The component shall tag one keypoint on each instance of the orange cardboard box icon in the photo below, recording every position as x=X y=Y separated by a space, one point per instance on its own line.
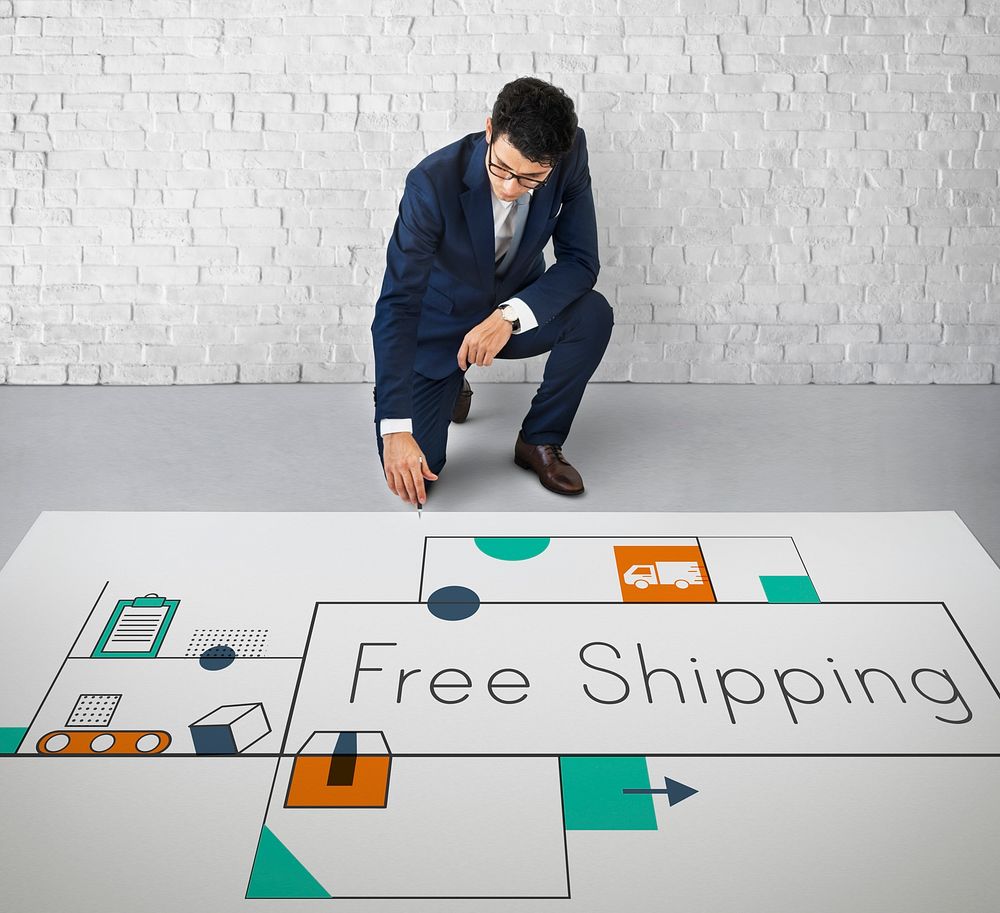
x=341 y=770
x=663 y=573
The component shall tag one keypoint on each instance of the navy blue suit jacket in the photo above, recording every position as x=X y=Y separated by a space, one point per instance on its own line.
x=440 y=278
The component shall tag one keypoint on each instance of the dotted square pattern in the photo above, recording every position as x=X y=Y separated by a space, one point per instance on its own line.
x=94 y=710
x=243 y=641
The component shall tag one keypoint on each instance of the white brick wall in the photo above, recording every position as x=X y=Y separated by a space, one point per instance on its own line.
x=788 y=191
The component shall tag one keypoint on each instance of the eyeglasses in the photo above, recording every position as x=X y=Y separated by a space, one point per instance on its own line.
x=505 y=174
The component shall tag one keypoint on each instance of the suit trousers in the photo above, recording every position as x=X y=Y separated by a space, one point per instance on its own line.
x=576 y=339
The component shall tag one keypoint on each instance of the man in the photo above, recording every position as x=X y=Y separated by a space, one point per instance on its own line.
x=466 y=282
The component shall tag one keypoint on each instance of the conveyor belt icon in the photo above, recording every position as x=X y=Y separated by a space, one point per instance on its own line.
x=133 y=742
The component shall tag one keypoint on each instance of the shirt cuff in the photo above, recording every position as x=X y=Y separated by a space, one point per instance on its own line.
x=392 y=425
x=523 y=313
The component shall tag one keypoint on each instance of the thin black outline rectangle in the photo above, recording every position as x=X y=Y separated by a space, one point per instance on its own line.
x=335 y=897
x=869 y=602
x=69 y=657
x=697 y=539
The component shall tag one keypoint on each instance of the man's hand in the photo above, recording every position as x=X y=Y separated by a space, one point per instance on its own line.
x=484 y=340
x=405 y=467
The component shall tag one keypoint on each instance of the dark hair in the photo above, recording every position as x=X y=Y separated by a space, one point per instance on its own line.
x=537 y=119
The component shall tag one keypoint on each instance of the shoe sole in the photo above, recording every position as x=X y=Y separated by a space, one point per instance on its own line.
x=558 y=491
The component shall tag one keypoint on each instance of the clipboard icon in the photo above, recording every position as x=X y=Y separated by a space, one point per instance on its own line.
x=136 y=628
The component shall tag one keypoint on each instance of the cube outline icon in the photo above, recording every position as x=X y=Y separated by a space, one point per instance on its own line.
x=217 y=737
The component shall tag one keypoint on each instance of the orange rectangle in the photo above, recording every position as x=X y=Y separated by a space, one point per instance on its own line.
x=309 y=786
x=663 y=573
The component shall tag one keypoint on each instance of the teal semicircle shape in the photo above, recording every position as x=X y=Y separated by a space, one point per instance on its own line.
x=513 y=548
x=278 y=874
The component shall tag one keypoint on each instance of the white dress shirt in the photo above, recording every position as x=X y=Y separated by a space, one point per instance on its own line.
x=500 y=210
x=524 y=314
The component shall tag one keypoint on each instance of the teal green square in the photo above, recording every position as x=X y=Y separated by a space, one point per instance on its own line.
x=10 y=738
x=593 y=799
x=789 y=589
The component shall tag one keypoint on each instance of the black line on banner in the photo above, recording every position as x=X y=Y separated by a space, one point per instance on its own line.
x=284 y=744
x=562 y=806
x=797 y=552
x=62 y=665
x=423 y=564
x=975 y=656
x=708 y=573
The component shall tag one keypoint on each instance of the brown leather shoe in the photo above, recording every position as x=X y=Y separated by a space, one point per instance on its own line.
x=548 y=463
x=460 y=411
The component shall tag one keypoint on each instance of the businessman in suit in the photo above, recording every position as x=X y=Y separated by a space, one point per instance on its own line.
x=466 y=282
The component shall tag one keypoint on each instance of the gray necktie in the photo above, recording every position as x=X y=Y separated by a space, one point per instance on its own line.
x=505 y=233
x=517 y=217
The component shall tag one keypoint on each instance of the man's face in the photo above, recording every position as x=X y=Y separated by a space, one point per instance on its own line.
x=505 y=155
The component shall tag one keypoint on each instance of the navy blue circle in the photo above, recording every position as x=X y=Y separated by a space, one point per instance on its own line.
x=453 y=603
x=216 y=658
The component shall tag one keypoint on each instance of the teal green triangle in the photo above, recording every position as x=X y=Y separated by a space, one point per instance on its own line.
x=10 y=738
x=277 y=873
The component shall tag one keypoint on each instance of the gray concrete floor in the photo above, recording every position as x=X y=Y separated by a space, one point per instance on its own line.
x=639 y=448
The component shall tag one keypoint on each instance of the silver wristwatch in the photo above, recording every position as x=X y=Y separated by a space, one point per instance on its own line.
x=507 y=312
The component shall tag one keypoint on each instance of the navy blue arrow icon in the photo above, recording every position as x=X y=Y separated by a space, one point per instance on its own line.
x=674 y=791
